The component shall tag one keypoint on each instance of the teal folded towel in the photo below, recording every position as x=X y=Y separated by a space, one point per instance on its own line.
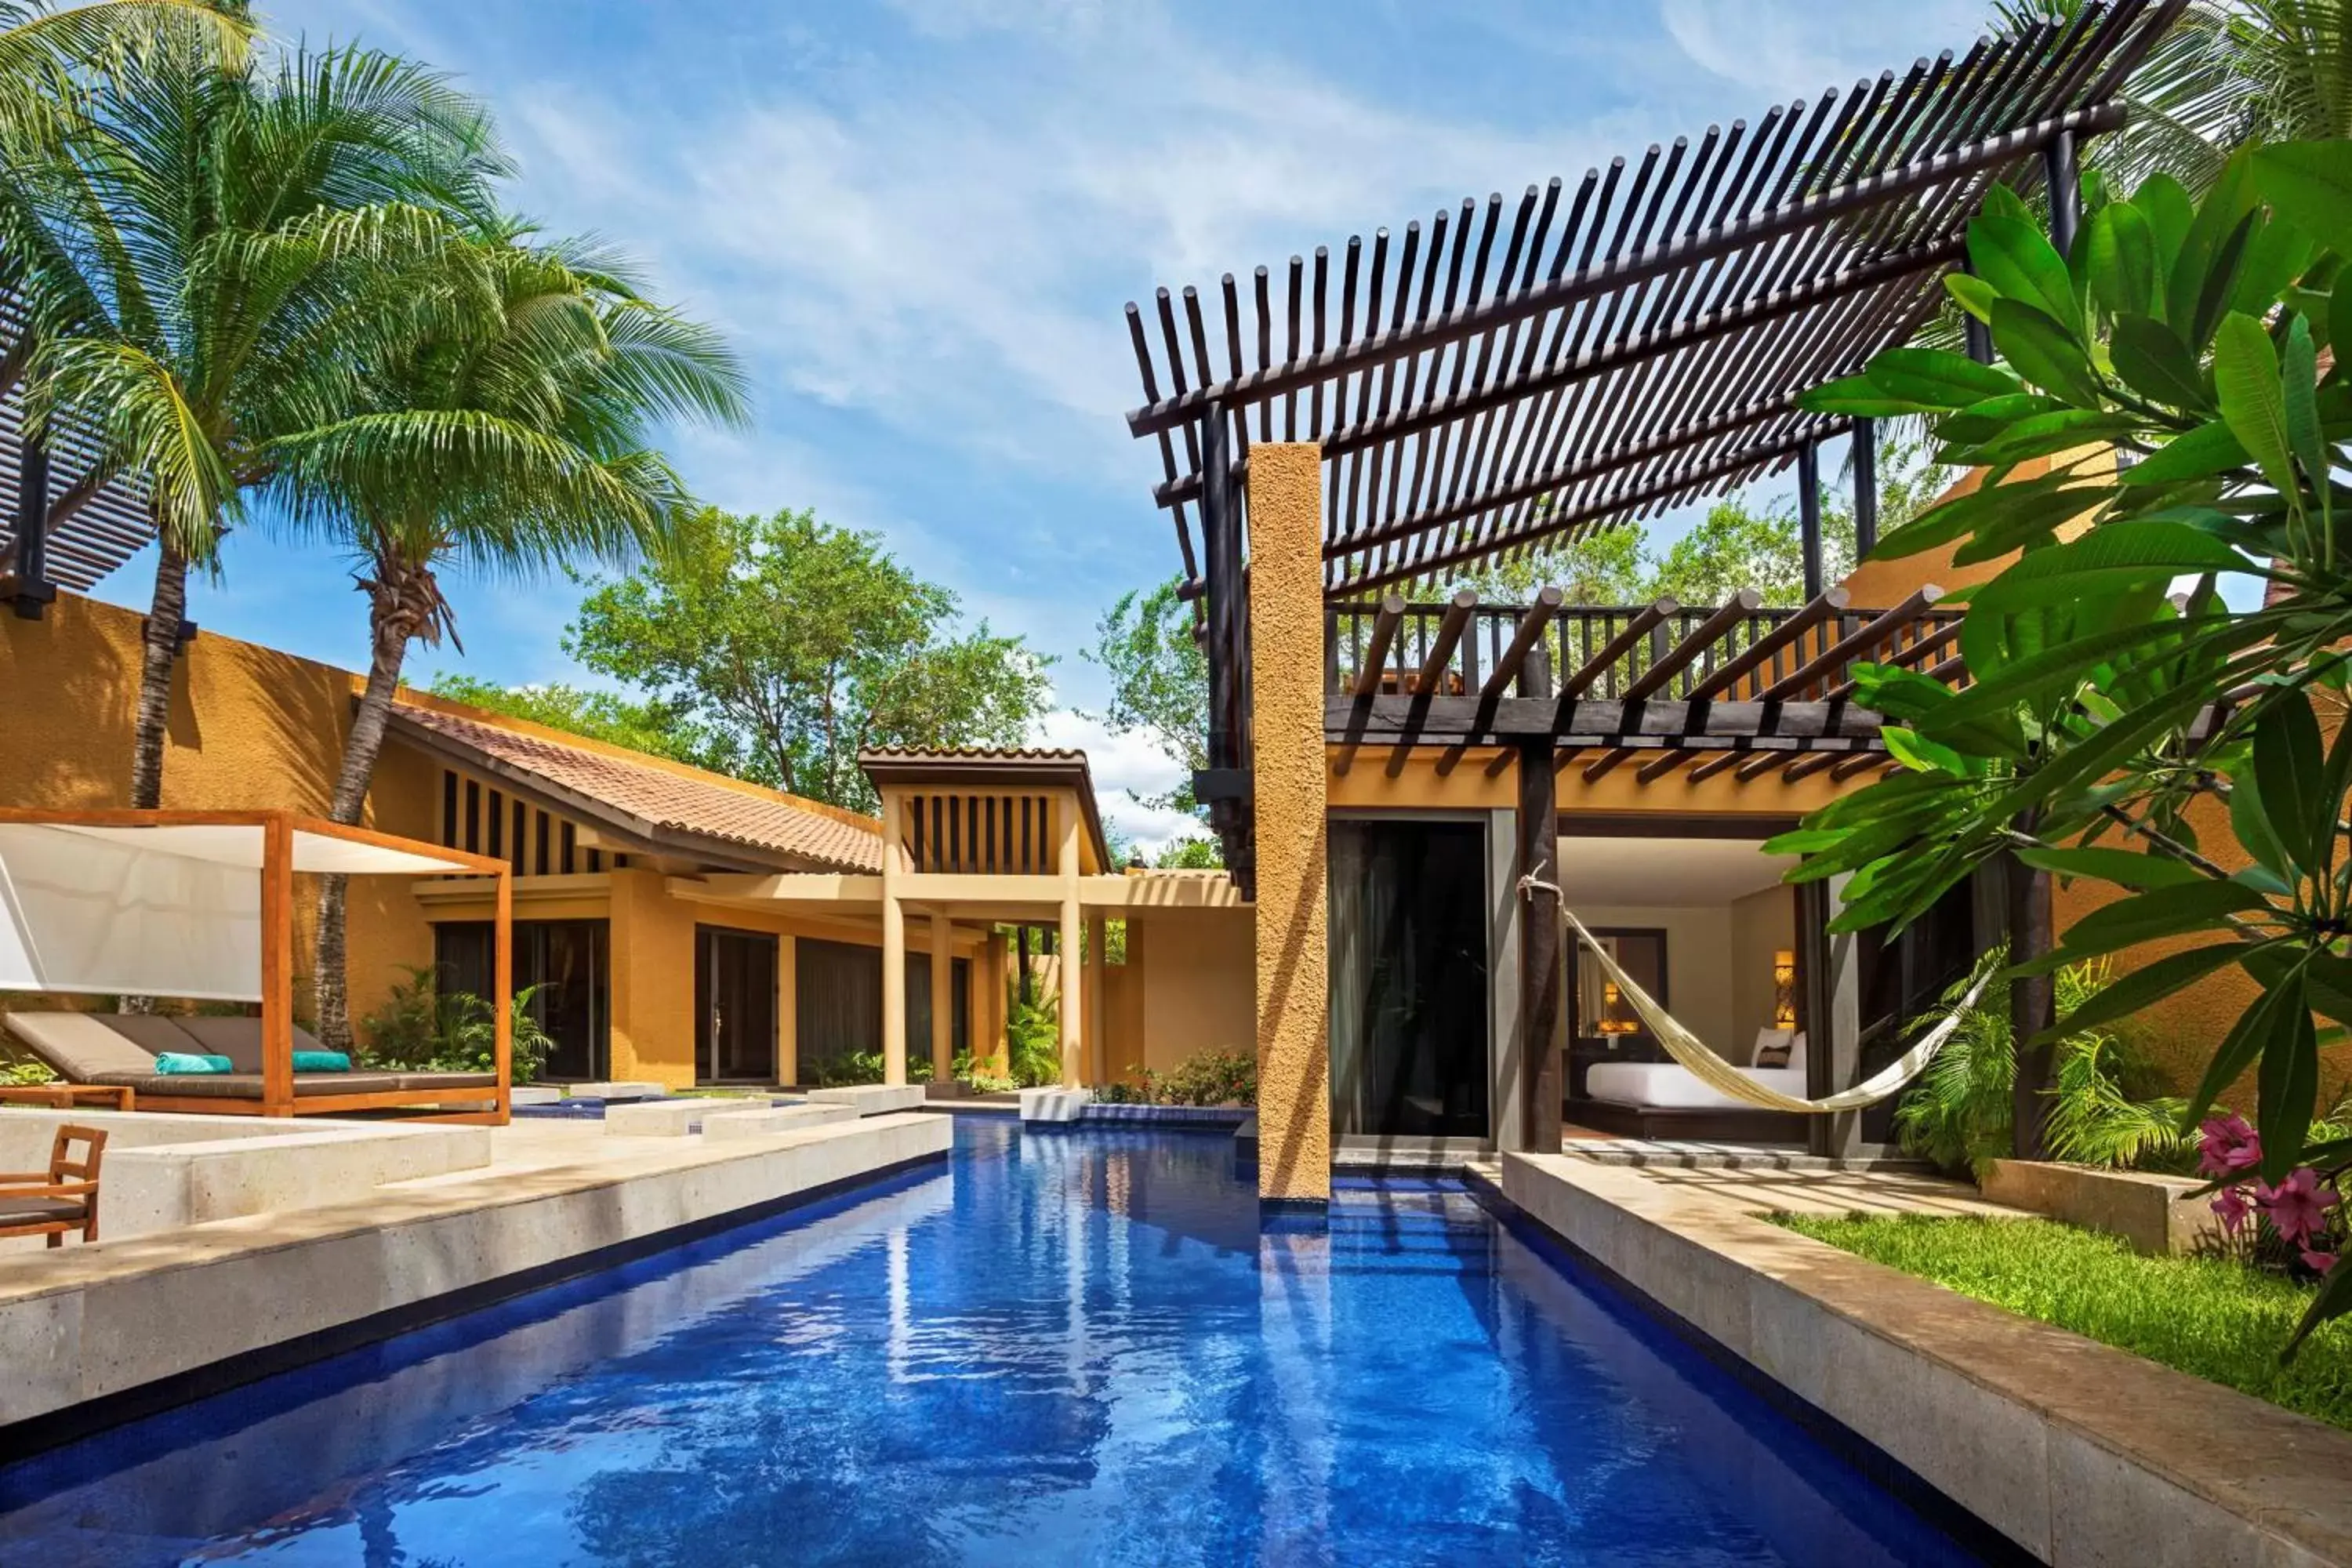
x=321 y=1061
x=190 y=1063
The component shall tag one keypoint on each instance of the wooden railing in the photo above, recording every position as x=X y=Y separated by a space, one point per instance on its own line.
x=1619 y=652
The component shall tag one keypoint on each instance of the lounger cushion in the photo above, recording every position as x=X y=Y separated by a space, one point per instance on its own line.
x=151 y=1032
x=83 y=1047
x=248 y=1086
x=239 y=1039
x=448 y=1080
x=40 y=1211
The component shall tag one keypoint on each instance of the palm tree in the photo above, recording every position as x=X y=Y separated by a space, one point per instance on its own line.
x=2231 y=73
x=211 y=252
x=503 y=441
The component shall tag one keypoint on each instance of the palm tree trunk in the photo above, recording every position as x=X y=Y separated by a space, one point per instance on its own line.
x=388 y=627
x=159 y=654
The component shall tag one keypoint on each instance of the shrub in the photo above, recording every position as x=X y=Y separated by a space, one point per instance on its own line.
x=1033 y=1039
x=1957 y=1116
x=1205 y=1078
x=422 y=1028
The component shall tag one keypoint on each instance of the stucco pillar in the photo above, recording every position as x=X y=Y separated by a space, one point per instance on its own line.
x=894 y=952
x=994 y=979
x=1285 y=691
x=942 y=998
x=1098 y=955
x=1070 y=1032
x=652 y=986
x=788 y=1010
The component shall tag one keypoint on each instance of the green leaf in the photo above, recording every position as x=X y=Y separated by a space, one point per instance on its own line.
x=2017 y=259
x=2253 y=404
x=1937 y=378
x=2288 y=764
x=2161 y=912
x=2299 y=381
x=2270 y=1016
x=2309 y=184
x=2155 y=362
x=2287 y=1091
x=2143 y=988
x=2277 y=255
x=1860 y=397
x=1922 y=756
x=2206 y=261
x=2203 y=452
x=2111 y=559
x=1975 y=295
x=2250 y=824
x=2220 y=284
x=2042 y=351
x=2046 y=434
x=2170 y=215
x=2127 y=867
x=2332 y=1301
x=2118 y=255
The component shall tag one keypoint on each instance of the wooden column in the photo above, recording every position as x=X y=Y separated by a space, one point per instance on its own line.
x=894 y=951
x=1542 y=968
x=277 y=966
x=1097 y=956
x=2032 y=1004
x=942 y=998
x=501 y=996
x=1289 y=801
x=33 y=589
x=1866 y=488
x=788 y=1010
x=1071 y=1022
x=1830 y=982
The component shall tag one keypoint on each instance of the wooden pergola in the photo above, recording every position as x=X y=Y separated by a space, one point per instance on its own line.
x=70 y=517
x=1517 y=375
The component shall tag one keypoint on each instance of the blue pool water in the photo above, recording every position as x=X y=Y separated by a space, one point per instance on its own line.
x=1067 y=1348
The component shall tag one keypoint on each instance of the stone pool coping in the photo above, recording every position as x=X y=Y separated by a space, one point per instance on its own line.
x=2075 y=1451
x=95 y=1336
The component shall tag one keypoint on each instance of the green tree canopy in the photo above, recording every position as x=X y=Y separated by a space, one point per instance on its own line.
x=656 y=727
x=793 y=644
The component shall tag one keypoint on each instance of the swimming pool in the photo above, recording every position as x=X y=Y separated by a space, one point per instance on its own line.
x=1073 y=1347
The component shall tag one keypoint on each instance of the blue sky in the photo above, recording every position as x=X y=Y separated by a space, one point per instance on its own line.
x=919 y=220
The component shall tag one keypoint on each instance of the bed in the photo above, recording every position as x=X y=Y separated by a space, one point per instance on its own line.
x=1663 y=1099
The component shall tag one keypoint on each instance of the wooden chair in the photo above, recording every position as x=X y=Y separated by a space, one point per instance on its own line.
x=62 y=1198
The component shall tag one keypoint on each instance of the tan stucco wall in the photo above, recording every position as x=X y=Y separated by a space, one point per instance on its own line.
x=1285 y=675
x=1186 y=988
x=1763 y=925
x=1699 y=975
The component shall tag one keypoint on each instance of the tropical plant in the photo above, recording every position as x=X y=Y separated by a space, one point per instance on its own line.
x=1957 y=1114
x=1033 y=1039
x=802 y=644
x=2196 y=340
x=50 y=54
x=2229 y=74
x=1211 y=1077
x=506 y=437
x=27 y=1071
x=423 y=1026
x=977 y=1072
x=213 y=250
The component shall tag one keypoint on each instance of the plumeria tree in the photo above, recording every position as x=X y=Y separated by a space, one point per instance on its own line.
x=2170 y=409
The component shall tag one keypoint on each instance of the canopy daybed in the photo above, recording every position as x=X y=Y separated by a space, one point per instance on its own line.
x=200 y=905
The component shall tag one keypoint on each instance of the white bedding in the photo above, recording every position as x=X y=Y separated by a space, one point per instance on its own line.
x=1664 y=1086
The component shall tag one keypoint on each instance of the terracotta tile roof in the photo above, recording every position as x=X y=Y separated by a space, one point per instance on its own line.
x=653 y=801
x=971 y=753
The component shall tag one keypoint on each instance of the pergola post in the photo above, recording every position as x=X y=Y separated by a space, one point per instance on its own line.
x=1289 y=824
x=501 y=994
x=1809 y=515
x=1542 y=972
x=277 y=965
x=942 y=998
x=2032 y=1002
x=1977 y=334
x=1866 y=488
x=1071 y=1035
x=2065 y=182
x=894 y=950
x=33 y=588
x=1097 y=956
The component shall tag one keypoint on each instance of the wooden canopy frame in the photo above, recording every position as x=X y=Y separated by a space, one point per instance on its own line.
x=278 y=830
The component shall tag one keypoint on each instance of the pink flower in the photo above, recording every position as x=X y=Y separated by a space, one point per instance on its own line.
x=2297 y=1208
x=2231 y=1204
x=2227 y=1146
x=2318 y=1262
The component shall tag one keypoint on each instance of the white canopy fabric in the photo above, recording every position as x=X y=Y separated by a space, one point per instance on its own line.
x=172 y=909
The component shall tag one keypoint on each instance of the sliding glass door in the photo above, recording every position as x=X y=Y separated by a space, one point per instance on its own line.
x=562 y=964
x=734 y=1006
x=1409 y=983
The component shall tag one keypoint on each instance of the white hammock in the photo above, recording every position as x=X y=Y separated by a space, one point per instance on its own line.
x=1732 y=1084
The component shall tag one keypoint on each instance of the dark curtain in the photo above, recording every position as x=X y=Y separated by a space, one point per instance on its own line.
x=565 y=963
x=839 y=1013
x=1408 y=992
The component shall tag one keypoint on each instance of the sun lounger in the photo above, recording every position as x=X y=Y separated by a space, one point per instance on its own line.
x=120 y=1048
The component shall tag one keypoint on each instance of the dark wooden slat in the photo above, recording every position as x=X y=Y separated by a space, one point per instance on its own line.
x=1831 y=660
x=1444 y=720
x=1783 y=636
x=1637 y=630
x=1524 y=640
x=1376 y=654
x=1709 y=632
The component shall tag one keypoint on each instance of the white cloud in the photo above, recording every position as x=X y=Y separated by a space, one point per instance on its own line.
x=1126 y=768
x=1787 y=51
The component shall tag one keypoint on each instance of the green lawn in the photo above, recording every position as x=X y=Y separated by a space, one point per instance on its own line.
x=2204 y=1316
